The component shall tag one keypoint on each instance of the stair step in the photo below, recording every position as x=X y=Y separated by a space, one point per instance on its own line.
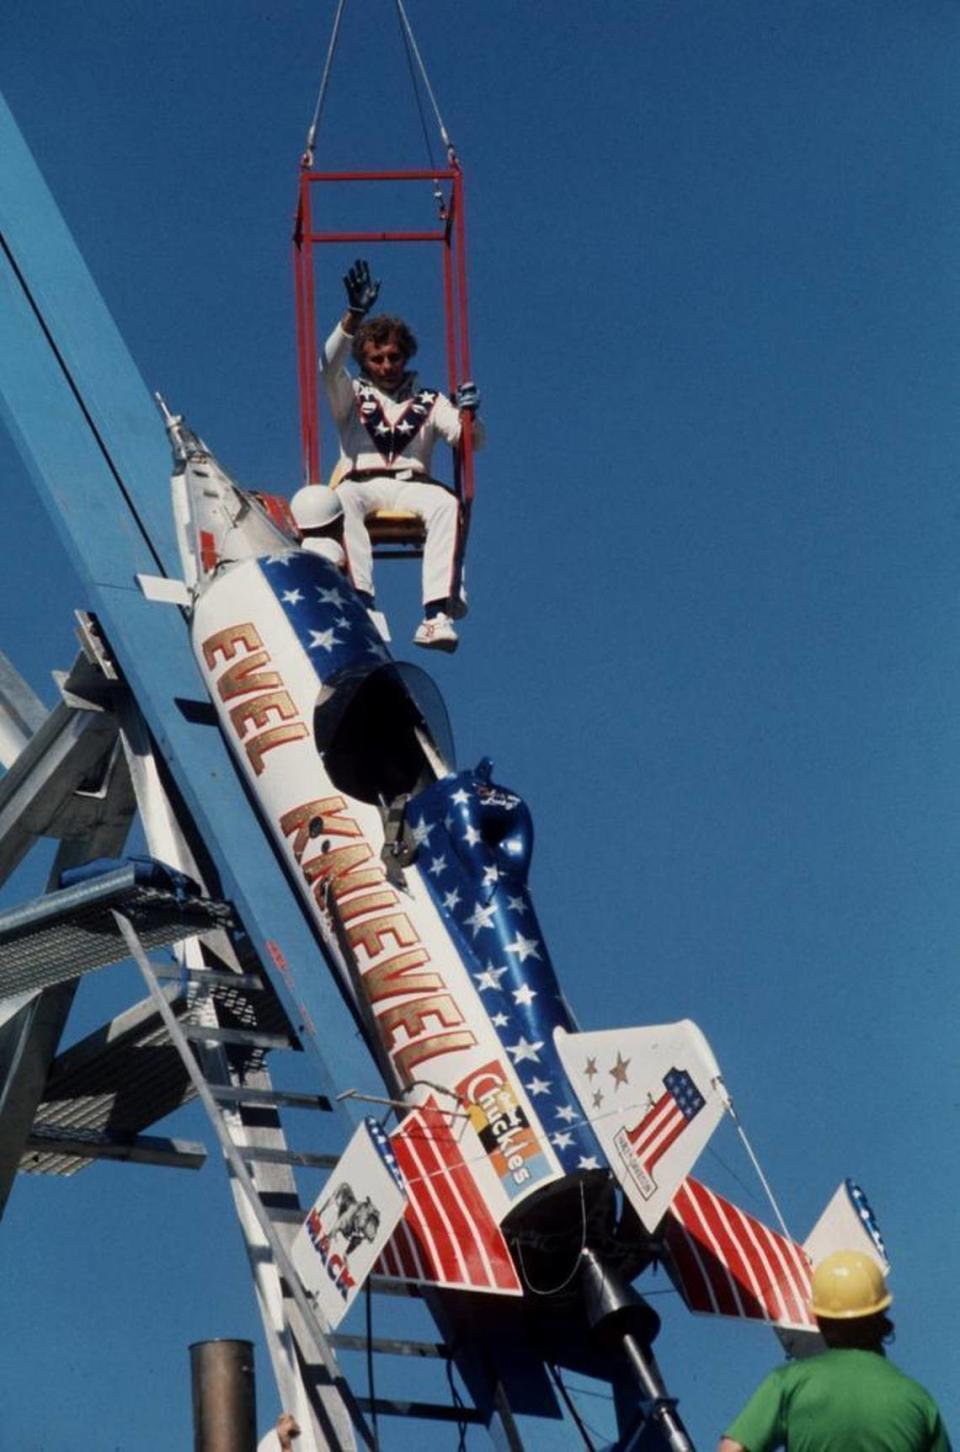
x=303 y=1159
x=425 y=1411
x=210 y=978
x=389 y=1346
x=249 y=1038
x=277 y=1098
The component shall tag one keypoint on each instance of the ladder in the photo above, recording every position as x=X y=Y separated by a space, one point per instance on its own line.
x=225 y=1065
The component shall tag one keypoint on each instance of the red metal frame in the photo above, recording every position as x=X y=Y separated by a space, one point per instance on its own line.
x=451 y=238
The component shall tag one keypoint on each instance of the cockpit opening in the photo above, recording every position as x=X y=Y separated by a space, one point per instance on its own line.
x=383 y=732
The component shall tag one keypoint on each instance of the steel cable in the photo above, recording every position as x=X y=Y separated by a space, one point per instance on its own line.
x=324 y=81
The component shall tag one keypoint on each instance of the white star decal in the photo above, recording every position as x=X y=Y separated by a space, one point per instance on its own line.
x=382 y=428
x=524 y=948
x=292 y=597
x=562 y=1139
x=342 y=623
x=460 y=797
x=538 y=1086
x=404 y=428
x=330 y=597
x=437 y=866
x=283 y=559
x=567 y=1113
x=450 y=900
x=471 y=836
x=380 y=651
x=326 y=638
x=490 y=977
x=524 y=995
x=481 y=917
x=517 y=904
x=588 y=1162
x=421 y=832
x=524 y=1050
x=499 y=1020
x=491 y=875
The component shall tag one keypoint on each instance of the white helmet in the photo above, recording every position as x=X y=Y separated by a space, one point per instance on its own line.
x=314 y=506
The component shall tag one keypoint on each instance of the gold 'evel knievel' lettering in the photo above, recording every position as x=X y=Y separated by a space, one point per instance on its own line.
x=243 y=676
x=374 y=936
x=422 y=1027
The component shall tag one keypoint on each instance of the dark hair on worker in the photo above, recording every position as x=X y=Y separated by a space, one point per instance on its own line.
x=862 y=1333
x=379 y=330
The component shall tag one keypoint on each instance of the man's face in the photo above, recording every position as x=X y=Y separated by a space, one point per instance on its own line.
x=384 y=363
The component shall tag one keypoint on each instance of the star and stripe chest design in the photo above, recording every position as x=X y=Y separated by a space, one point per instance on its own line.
x=391 y=439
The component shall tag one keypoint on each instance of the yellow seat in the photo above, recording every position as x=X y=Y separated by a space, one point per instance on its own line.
x=395 y=526
x=387 y=526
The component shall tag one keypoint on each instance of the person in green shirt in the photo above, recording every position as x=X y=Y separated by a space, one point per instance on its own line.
x=850 y=1398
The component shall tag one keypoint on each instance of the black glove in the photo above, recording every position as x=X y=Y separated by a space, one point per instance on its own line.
x=468 y=396
x=362 y=291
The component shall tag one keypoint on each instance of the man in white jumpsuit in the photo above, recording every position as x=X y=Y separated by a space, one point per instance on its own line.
x=387 y=428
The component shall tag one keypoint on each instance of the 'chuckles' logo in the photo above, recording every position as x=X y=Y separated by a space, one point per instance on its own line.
x=503 y=1127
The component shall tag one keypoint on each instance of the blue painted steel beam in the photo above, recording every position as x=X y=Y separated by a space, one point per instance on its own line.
x=96 y=451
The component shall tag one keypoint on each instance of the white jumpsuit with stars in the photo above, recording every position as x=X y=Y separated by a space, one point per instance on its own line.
x=390 y=438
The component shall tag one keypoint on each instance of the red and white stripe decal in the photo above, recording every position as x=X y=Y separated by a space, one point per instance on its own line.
x=727 y=1263
x=447 y=1236
x=654 y=1136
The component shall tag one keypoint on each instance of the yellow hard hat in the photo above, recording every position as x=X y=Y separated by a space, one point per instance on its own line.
x=848 y=1284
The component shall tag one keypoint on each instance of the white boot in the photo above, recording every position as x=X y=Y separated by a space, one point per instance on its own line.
x=437 y=633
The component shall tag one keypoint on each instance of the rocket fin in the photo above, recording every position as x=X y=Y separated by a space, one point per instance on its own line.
x=847 y=1223
x=652 y=1098
x=725 y=1262
x=449 y=1235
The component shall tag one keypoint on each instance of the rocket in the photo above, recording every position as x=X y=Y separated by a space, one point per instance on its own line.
x=517 y=1129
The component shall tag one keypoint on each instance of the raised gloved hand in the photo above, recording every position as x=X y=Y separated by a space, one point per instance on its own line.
x=362 y=291
x=468 y=396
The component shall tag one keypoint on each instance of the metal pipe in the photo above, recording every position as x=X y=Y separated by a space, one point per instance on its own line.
x=622 y=1322
x=224 y=1396
x=662 y=1409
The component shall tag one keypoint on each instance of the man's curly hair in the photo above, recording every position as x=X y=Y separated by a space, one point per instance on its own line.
x=379 y=330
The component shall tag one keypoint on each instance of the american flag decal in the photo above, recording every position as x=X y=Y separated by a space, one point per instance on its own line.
x=725 y=1262
x=447 y=1235
x=645 y=1144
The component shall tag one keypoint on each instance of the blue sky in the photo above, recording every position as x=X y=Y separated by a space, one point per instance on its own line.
x=714 y=571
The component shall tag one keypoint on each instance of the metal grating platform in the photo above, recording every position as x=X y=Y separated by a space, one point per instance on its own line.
x=71 y=931
x=117 y=1081
x=126 y=1076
